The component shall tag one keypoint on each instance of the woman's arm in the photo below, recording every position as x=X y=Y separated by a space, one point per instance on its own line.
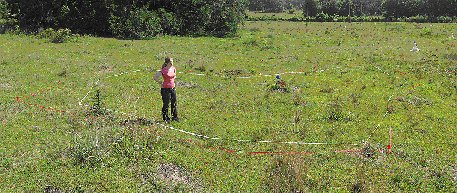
x=157 y=77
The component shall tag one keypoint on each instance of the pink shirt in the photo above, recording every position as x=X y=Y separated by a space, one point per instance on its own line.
x=168 y=77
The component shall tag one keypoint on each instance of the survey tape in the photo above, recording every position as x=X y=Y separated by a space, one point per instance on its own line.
x=201 y=135
x=253 y=153
x=22 y=99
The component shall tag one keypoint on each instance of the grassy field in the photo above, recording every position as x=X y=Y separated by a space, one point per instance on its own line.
x=352 y=83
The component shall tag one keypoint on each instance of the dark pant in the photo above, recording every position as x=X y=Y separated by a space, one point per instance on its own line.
x=169 y=94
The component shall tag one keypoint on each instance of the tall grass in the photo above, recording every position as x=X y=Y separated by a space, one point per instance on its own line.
x=356 y=81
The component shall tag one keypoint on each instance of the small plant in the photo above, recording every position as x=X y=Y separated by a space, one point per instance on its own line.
x=189 y=64
x=97 y=108
x=368 y=150
x=297 y=117
x=279 y=86
x=335 y=112
x=87 y=152
x=297 y=97
x=63 y=73
x=426 y=32
x=201 y=68
x=286 y=175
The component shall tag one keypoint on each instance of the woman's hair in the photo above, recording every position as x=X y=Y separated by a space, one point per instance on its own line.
x=167 y=61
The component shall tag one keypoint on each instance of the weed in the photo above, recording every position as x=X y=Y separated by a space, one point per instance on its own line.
x=97 y=108
x=201 y=68
x=51 y=189
x=186 y=84
x=63 y=73
x=426 y=32
x=326 y=90
x=88 y=152
x=297 y=97
x=189 y=64
x=335 y=110
x=286 y=174
x=357 y=187
x=355 y=99
x=297 y=117
x=138 y=121
x=178 y=178
x=279 y=86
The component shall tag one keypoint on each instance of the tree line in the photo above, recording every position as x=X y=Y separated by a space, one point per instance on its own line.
x=142 y=19
x=136 y=19
x=386 y=8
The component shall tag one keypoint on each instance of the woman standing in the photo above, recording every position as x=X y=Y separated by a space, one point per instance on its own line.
x=168 y=90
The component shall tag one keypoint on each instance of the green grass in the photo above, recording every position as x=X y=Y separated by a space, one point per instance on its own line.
x=357 y=81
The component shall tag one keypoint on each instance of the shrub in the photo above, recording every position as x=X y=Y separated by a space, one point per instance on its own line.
x=286 y=175
x=59 y=36
x=426 y=32
x=444 y=19
x=224 y=17
x=139 y=23
x=97 y=107
x=323 y=17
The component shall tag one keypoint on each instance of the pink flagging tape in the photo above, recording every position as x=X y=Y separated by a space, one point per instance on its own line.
x=188 y=72
x=279 y=153
x=22 y=100
x=18 y=99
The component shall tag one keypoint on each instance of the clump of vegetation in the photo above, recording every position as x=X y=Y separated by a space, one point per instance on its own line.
x=287 y=174
x=201 y=68
x=298 y=98
x=59 y=36
x=335 y=110
x=97 y=108
x=279 y=86
x=426 y=32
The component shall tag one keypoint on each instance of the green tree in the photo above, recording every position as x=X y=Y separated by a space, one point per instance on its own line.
x=3 y=9
x=132 y=19
x=274 y=6
x=329 y=7
x=310 y=8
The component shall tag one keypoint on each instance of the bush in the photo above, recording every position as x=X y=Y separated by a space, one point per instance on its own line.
x=445 y=19
x=59 y=36
x=323 y=17
x=136 y=24
x=224 y=17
